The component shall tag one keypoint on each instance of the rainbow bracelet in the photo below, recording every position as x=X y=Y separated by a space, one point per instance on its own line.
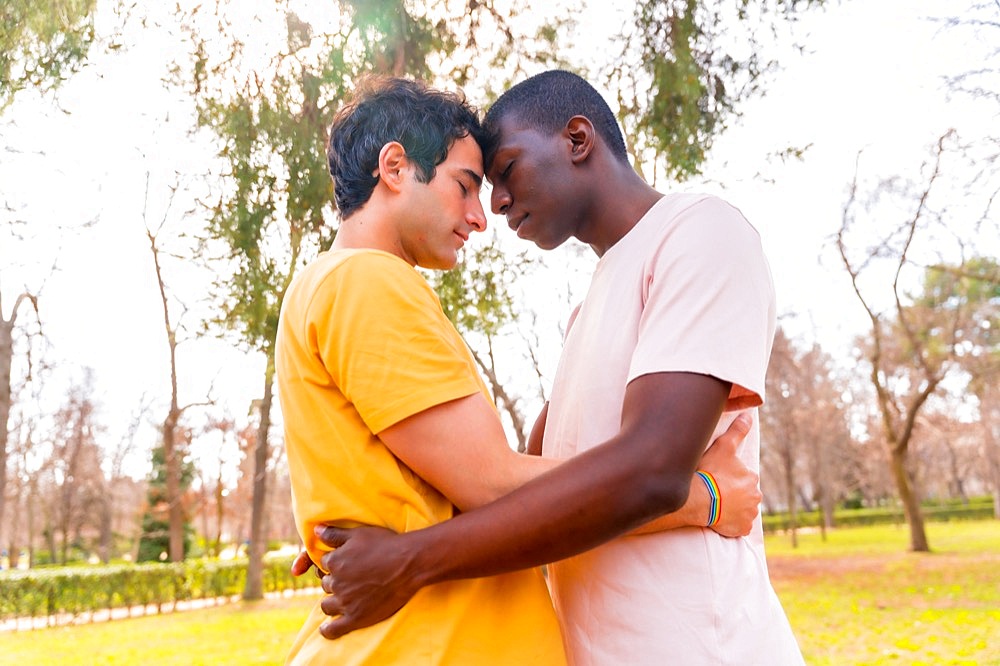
x=715 y=507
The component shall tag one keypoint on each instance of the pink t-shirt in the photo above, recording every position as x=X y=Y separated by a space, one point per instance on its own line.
x=686 y=290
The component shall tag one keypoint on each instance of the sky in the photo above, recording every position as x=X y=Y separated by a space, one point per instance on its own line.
x=869 y=81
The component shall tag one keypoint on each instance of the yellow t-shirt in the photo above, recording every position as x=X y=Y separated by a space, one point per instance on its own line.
x=363 y=344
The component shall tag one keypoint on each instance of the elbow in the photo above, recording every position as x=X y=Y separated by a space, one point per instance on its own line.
x=663 y=493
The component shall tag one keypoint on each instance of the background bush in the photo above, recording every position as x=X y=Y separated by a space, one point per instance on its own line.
x=82 y=590
x=978 y=508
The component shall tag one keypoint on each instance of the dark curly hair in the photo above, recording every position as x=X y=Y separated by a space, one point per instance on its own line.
x=425 y=121
x=546 y=102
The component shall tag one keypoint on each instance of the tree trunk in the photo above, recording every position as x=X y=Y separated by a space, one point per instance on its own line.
x=504 y=401
x=13 y=545
x=50 y=542
x=106 y=503
x=258 y=539
x=911 y=503
x=6 y=358
x=30 y=516
x=175 y=508
x=790 y=497
x=219 y=514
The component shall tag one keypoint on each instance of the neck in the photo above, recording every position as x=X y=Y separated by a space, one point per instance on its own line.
x=365 y=230
x=618 y=205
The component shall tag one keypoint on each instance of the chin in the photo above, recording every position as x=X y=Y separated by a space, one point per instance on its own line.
x=440 y=263
x=548 y=243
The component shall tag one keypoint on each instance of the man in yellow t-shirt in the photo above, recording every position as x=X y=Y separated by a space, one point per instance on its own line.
x=364 y=349
x=387 y=421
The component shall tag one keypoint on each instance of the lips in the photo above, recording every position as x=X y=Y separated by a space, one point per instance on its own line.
x=516 y=224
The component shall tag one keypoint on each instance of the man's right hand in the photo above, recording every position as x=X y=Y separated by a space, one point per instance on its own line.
x=739 y=490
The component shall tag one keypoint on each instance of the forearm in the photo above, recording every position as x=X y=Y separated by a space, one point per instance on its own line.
x=588 y=500
x=694 y=513
x=506 y=477
x=536 y=524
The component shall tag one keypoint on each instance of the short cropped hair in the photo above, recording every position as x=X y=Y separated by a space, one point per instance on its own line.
x=547 y=101
x=425 y=121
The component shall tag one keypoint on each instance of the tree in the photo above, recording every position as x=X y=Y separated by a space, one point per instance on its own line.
x=42 y=44
x=477 y=296
x=685 y=70
x=75 y=467
x=155 y=542
x=916 y=340
x=6 y=362
x=805 y=429
x=173 y=452
x=972 y=292
x=781 y=420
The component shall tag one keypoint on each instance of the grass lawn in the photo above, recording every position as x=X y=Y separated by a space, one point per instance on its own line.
x=858 y=598
x=237 y=633
x=861 y=598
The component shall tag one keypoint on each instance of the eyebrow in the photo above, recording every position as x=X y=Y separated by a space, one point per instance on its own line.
x=476 y=178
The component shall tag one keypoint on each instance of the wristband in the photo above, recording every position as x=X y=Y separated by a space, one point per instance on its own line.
x=715 y=505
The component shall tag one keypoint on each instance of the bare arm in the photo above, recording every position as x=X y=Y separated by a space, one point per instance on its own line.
x=738 y=485
x=643 y=472
x=534 y=447
x=460 y=448
x=739 y=488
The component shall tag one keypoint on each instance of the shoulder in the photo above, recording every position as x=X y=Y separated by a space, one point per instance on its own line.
x=701 y=208
x=353 y=279
x=359 y=270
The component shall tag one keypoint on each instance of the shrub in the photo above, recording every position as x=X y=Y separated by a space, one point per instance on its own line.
x=82 y=590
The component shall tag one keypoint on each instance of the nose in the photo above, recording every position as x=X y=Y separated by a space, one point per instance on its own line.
x=500 y=200
x=476 y=216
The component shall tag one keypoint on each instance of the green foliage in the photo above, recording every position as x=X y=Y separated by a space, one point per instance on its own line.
x=938 y=511
x=155 y=538
x=81 y=590
x=686 y=67
x=476 y=295
x=965 y=302
x=42 y=43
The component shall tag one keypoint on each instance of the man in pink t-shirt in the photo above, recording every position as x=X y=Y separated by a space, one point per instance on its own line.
x=671 y=342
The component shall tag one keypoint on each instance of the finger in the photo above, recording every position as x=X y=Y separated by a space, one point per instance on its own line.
x=327 y=583
x=737 y=430
x=301 y=564
x=330 y=605
x=333 y=629
x=332 y=536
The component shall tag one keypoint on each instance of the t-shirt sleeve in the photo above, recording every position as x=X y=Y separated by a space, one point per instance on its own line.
x=708 y=303
x=384 y=340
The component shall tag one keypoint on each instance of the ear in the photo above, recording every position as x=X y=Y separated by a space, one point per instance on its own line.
x=392 y=163
x=581 y=134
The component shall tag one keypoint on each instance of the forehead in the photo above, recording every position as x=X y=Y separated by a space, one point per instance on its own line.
x=465 y=154
x=513 y=137
x=512 y=131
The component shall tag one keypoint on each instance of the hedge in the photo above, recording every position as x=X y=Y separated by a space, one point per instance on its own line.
x=976 y=509
x=75 y=591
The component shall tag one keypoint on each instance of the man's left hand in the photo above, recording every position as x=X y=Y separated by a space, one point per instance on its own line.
x=370 y=577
